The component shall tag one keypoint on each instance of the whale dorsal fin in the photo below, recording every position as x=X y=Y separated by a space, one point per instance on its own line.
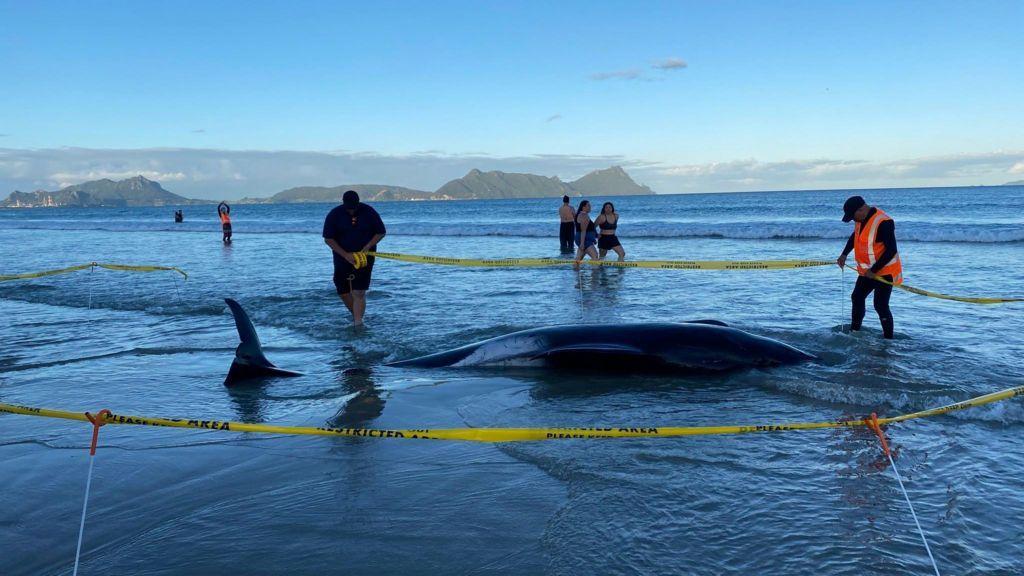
x=708 y=322
x=249 y=350
x=249 y=360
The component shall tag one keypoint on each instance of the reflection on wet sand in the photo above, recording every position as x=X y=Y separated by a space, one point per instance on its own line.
x=365 y=406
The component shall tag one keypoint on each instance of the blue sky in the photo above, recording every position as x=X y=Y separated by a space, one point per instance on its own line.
x=772 y=94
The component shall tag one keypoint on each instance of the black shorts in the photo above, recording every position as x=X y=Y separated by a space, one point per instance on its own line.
x=347 y=278
x=226 y=227
x=607 y=242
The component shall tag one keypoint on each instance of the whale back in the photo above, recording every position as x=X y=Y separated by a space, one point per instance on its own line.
x=699 y=345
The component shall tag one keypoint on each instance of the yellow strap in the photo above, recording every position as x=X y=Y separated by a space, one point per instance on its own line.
x=26 y=275
x=659 y=264
x=921 y=292
x=506 y=434
x=122 y=267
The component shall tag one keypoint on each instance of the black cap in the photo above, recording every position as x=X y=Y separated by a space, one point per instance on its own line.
x=853 y=203
x=350 y=199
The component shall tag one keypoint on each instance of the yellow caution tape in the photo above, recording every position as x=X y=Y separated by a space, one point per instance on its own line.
x=660 y=264
x=122 y=267
x=506 y=434
x=921 y=292
x=360 y=258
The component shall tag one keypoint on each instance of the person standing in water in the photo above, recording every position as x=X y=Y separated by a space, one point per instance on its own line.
x=349 y=228
x=608 y=221
x=873 y=242
x=566 y=215
x=586 y=233
x=224 y=211
x=179 y=216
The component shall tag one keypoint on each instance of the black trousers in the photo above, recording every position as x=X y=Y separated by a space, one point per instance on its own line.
x=861 y=289
x=565 y=236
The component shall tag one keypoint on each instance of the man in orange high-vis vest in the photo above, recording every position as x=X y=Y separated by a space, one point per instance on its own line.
x=874 y=247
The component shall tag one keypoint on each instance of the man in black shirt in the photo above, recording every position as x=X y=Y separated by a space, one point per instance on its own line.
x=353 y=227
x=874 y=243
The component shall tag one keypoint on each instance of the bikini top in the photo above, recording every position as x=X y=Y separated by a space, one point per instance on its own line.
x=607 y=225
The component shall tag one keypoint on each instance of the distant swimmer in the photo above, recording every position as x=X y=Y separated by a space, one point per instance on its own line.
x=586 y=233
x=224 y=211
x=566 y=215
x=179 y=216
x=874 y=247
x=608 y=221
x=353 y=227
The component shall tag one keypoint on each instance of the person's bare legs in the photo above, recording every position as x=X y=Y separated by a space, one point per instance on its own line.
x=618 y=250
x=601 y=254
x=355 y=301
x=358 y=306
x=347 y=299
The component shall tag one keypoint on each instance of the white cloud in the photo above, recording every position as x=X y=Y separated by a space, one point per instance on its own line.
x=752 y=174
x=68 y=178
x=209 y=173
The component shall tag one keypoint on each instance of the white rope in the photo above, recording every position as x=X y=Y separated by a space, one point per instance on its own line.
x=914 y=514
x=579 y=277
x=842 y=299
x=91 y=269
x=176 y=291
x=85 y=506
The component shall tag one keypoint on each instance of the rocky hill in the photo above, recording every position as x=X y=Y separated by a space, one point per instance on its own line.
x=475 y=185
x=494 y=184
x=608 y=182
x=137 y=191
x=612 y=181
x=367 y=192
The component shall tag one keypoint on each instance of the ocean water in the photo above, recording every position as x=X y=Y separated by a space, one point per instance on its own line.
x=185 y=502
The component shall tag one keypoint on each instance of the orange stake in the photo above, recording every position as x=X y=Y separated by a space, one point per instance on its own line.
x=872 y=423
x=97 y=421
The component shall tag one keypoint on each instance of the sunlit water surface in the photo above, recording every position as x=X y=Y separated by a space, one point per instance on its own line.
x=167 y=501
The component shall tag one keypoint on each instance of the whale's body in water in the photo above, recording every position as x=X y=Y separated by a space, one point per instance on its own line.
x=703 y=345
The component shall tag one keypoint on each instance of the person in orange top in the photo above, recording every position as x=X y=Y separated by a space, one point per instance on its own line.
x=874 y=246
x=223 y=210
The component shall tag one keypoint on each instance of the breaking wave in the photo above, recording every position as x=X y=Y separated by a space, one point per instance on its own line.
x=990 y=232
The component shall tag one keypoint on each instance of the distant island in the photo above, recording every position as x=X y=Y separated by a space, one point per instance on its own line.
x=476 y=185
x=137 y=191
x=1015 y=183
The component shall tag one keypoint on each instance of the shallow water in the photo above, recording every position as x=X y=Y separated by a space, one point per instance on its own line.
x=179 y=502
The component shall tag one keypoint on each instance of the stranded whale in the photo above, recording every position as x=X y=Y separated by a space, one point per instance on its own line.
x=702 y=345
x=249 y=360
